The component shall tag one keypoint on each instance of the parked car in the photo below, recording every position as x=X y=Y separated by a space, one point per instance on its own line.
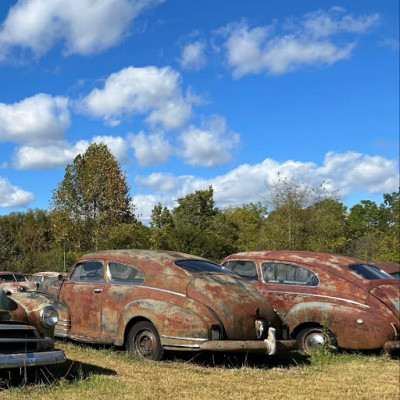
x=389 y=267
x=27 y=324
x=152 y=301
x=47 y=280
x=325 y=299
x=13 y=280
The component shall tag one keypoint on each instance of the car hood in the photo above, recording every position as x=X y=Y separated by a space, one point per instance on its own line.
x=388 y=292
x=234 y=302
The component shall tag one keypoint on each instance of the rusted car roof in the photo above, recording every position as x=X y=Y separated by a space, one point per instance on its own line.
x=388 y=267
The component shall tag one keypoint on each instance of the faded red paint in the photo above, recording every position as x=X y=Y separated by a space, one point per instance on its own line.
x=361 y=313
x=183 y=306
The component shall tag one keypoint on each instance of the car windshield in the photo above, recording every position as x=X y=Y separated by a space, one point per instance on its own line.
x=370 y=272
x=198 y=266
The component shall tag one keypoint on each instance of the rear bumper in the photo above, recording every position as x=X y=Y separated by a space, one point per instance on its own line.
x=391 y=346
x=269 y=346
x=31 y=359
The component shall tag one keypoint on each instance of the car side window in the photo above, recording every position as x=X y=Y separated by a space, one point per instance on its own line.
x=288 y=274
x=246 y=269
x=89 y=271
x=125 y=273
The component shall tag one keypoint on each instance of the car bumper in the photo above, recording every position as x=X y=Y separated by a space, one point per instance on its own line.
x=31 y=359
x=269 y=346
x=392 y=346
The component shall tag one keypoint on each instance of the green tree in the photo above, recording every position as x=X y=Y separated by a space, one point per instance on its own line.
x=92 y=197
x=161 y=225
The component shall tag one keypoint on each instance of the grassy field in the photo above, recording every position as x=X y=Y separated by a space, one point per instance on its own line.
x=92 y=373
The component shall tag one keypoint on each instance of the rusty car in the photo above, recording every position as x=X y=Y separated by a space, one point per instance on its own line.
x=46 y=280
x=327 y=300
x=27 y=322
x=13 y=280
x=152 y=301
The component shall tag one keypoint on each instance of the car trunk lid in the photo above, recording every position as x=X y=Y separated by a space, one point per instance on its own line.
x=388 y=292
x=234 y=302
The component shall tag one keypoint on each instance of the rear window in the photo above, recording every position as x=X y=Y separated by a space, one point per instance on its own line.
x=370 y=272
x=198 y=266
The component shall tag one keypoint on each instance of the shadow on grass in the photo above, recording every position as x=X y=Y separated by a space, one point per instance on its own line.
x=68 y=372
x=240 y=360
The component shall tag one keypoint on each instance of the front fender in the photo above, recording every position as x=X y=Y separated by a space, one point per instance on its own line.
x=355 y=327
x=169 y=319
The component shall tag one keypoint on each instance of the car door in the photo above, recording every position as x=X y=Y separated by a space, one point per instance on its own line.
x=83 y=293
x=287 y=284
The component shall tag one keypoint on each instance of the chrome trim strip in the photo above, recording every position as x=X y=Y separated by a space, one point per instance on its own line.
x=126 y=284
x=162 y=290
x=184 y=338
x=62 y=329
x=395 y=330
x=185 y=346
x=65 y=320
x=317 y=295
x=63 y=324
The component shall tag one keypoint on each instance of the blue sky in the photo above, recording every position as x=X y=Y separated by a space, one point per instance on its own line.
x=189 y=94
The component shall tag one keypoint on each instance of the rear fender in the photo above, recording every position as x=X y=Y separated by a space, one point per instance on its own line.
x=169 y=319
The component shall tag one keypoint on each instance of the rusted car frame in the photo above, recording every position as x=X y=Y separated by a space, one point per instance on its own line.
x=26 y=331
x=325 y=299
x=152 y=301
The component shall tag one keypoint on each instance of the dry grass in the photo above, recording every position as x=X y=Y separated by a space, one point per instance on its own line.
x=107 y=374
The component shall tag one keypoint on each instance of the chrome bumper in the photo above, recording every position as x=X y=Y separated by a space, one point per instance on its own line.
x=31 y=359
x=268 y=346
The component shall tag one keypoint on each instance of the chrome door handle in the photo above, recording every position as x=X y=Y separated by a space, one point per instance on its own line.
x=97 y=290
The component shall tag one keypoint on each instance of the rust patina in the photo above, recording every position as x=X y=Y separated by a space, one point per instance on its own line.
x=326 y=298
x=151 y=301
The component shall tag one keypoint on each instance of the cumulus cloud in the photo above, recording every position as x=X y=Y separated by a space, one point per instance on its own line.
x=59 y=154
x=36 y=119
x=342 y=172
x=193 y=56
x=308 y=41
x=209 y=146
x=82 y=26
x=148 y=90
x=150 y=149
x=12 y=196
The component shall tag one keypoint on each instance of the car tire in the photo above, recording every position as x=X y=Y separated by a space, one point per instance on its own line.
x=143 y=340
x=315 y=339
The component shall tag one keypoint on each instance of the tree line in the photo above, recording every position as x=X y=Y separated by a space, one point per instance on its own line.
x=92 y=210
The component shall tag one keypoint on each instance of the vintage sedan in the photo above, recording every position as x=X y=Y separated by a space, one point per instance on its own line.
x=327 y=300
x=13 y=280
x=152 y=301
x=27 y=323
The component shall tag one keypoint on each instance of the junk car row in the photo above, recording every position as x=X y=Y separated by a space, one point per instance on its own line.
x=267 y=302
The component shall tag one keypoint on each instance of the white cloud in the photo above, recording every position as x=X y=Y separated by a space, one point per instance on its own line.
x=209 y=146
x=193 y=56
x=82 y=26
x=59 y=154
x=12 y=196
x=36 y=119
x=308 y=41
x=148 y=90
x=151 y=149
x=343 y=172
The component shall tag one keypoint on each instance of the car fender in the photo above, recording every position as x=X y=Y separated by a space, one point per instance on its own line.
x=355 y=327
x=169 y=319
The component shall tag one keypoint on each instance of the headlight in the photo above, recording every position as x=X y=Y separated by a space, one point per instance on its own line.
x=49 y=316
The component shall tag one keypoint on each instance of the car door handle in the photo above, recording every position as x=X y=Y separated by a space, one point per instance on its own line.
x=97 y=290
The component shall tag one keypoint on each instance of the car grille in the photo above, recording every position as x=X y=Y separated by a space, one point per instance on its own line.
x=17 y=338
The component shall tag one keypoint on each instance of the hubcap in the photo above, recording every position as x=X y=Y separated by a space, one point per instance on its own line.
x=314 y=341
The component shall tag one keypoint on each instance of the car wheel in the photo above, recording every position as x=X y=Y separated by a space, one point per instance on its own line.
x=144 y=341
x=316 y=339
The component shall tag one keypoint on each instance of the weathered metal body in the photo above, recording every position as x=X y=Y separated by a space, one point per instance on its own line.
x=26 y=332
x=13 y=281
x=195 y=306
x=325 y=297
